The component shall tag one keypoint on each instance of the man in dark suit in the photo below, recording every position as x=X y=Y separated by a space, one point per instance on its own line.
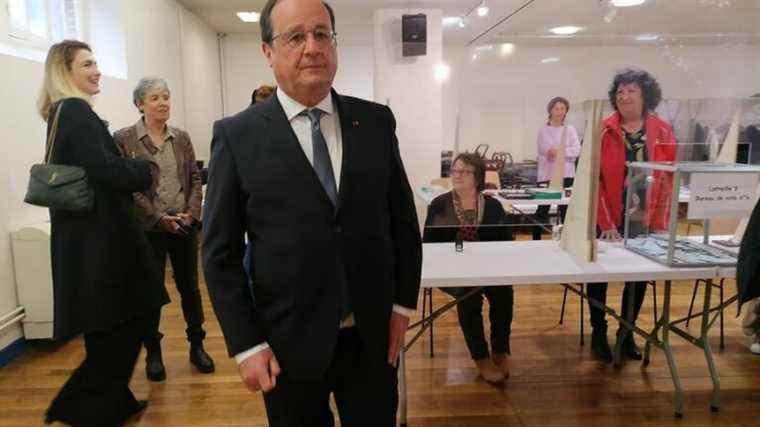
x=316 y=181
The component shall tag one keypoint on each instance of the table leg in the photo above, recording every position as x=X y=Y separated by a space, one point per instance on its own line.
x=624 y=330
x=715 y=403
x=402 y=399
x=655 y=335
x=669 y=351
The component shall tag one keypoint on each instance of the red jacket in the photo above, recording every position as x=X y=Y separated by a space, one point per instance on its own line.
x=661 y=147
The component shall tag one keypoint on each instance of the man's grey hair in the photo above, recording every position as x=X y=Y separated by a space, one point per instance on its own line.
x=144 y=85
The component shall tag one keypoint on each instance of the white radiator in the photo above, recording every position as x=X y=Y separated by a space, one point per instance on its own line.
x=34 y=279
x=11 y=318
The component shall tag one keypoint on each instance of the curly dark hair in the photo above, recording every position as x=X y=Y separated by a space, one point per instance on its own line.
x=650 y=89
x=474 y=160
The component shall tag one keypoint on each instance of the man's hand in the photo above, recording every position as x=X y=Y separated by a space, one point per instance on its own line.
x=611 y=236
x=398 y=326
x=169 y=224
x=259 y=372
x=186 y=218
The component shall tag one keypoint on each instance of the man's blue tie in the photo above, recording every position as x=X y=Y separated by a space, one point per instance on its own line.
x=322 y=164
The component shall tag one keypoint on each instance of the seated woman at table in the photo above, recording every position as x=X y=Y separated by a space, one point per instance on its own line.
x=550 y=137
x=632 y=133
x=466 y=214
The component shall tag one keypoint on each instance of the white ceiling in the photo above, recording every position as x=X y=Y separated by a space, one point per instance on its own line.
x=677 y=21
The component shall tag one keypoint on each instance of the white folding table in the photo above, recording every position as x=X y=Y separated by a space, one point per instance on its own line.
x=527 y=263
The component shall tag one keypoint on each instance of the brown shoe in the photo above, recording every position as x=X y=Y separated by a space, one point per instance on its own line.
x=501 y=360
x=489 y=371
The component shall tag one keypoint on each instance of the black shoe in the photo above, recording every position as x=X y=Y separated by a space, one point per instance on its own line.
x=629 y=348
x=201 y=359
x=140 y=406
x=154 y=365
x=599 y=345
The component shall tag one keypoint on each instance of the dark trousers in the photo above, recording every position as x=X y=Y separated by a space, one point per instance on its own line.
x=598 y=291
x=183 y=254
x=97 y=394
x=364 y=385
x=542 y=212
x=470 y=313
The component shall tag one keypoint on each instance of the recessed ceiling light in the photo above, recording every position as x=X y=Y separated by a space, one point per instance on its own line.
x=507 y=49
x=249 y=16
x=451 y=20
x=647 y=37
x=483 y=9
x=565 y=30
x=551 y=60
x=627 y=3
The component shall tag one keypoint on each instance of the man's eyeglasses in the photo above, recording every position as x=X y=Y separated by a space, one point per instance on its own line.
x=297 y=38
x=461 y=172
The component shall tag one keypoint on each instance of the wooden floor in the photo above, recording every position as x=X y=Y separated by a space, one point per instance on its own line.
x=554 y=381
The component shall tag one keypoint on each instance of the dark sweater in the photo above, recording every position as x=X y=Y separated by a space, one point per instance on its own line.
x=493 y=227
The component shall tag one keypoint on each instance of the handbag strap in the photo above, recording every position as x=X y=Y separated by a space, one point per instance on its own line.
x=51 y=136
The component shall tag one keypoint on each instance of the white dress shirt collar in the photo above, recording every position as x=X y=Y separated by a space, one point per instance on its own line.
x=293 y=108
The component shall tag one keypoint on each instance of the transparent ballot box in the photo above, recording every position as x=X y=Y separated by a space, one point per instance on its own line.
x=688 y=214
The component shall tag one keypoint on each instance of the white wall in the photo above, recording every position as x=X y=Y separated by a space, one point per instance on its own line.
x=157 y=44
x=246 y=68
x=201 y=81
x=415 y=96
x=502 y=99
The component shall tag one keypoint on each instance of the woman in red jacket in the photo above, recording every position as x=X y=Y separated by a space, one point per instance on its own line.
x=633 y=133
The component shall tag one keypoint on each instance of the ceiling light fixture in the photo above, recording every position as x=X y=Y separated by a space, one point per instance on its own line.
x=647 y=37
x=249 y=16
x=507 y=49
x=483 y=9
x=451 y=20
x=627 y=3
x=552 y=60
x=566 y=30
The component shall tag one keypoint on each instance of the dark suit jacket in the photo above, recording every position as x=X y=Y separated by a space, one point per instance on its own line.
x=261 y=183
x=748 y=264
x=103 y=269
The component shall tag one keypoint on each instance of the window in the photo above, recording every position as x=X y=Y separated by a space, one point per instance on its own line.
x=40 y=22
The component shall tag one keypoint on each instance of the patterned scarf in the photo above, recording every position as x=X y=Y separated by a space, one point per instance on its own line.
x=468 y=219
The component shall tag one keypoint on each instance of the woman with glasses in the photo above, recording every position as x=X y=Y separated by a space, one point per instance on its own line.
x=466 y=214
x=633 y=133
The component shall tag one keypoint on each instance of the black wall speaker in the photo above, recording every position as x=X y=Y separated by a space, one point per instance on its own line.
x=414 y=34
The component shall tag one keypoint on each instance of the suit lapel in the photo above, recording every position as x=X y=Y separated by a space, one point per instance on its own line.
x=348 y=127
x=284 y=143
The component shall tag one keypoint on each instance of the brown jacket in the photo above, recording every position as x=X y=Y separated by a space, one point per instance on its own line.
x=187 y=171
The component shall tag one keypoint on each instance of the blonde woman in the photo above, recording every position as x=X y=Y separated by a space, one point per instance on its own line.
x=104 y=280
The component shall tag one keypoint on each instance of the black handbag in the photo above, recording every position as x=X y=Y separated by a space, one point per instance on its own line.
x=59 y=187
